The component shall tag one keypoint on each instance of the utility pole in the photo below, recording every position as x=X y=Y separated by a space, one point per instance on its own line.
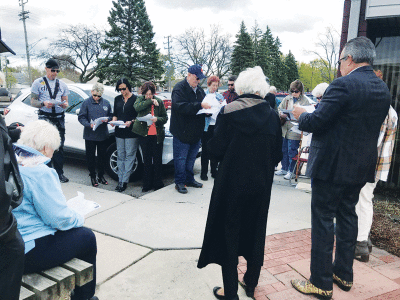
x=24 y=15
x=169 y=39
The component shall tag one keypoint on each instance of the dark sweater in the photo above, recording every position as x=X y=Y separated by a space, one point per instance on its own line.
x=125 y=112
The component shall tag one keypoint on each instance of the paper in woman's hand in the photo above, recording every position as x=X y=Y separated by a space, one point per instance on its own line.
x=147 y=118
x=120 y=124
x=98 y=121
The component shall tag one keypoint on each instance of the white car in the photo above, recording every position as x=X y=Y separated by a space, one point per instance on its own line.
x=21 y=111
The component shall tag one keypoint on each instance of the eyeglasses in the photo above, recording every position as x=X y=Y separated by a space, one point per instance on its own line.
x=340 y=59
x=122 y=89
x=98 y=96
x=294 y=91
x=197 y=78
x=319 y=98
x=231 y=84
x=52 y=71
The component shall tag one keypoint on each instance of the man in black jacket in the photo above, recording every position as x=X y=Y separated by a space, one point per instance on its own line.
x=342 y=159
x=12 y=246
x=187 y=127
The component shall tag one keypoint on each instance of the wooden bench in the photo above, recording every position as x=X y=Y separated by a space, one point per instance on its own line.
x=56 y=283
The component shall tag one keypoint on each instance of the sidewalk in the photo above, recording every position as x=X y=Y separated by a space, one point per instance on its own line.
x=148 y=247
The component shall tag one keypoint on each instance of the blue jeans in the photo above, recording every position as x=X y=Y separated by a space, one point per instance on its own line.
x=127 y=149
x=184 y=158
x=289 y=151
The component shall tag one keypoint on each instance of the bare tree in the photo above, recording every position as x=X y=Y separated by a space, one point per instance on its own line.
x=213 y=51
x=78 y=46
x=328 y=53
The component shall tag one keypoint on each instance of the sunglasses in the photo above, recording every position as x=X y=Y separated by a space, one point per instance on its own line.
x=52 y=71
x=319 y=98
x=98 y=96
x=122 y=89
x=231 y=84
x=294 y=91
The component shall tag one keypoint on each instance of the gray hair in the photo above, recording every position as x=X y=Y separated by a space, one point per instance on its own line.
x=272 y=89
x=98 y=87
x=252 y=81
x=361 y=49
x=38 y=134
x=319 y=90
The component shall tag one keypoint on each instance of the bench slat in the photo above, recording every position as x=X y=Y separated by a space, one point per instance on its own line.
x=44 y=288
x=83 y=271
x=64 y=278
x=26 y=294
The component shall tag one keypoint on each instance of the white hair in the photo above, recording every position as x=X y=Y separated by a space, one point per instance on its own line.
x=98 y=87
x=252 y=81
x=272 y=89
x=39 y=134
x=319 y=90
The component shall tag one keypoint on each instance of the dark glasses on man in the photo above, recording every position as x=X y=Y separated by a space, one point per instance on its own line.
x=319 y=98
x=58 y=71
x=294 y=91
x=122 y=89
x=98 y=96
x=231 y=84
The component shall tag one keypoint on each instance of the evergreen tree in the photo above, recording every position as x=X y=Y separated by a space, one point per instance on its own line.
x=242 y=55
x=292 y=70
x=256 y=36
x=132 y=53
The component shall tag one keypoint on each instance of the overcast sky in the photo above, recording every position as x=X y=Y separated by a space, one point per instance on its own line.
x=296 y=23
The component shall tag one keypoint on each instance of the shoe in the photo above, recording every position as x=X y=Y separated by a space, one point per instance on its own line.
x=306 y=287
x=342 y=284
x=102 y=180
x=369 y=245
x=289 y=175
x=204 y=177
x=123 y=187
x=94 y=181
x=119 y=186
x=362 y=251
x=281 y=172
x=63 y=179
x=218 y=296
x=249 y=290
x=195 y=184
x=180 y=187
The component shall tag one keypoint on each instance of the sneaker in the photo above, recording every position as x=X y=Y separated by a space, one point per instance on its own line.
x=281 y=172
x=306 y=287
x=289 y=175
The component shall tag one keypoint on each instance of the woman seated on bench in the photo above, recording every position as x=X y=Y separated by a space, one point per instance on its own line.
x=52 y=232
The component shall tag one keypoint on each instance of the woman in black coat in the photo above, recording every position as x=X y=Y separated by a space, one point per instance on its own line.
x=248 y=142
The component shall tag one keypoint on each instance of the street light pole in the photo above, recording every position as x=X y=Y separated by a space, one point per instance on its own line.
x=24 y=16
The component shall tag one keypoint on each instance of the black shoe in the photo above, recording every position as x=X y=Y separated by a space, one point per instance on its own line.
x=204 y=177
x=362 y=251
x=195 y=184
x=123 y=187
x=249 y=290
x=215 y=292
x=118 y=187
x=180 y=187
x=94 y=181
x=63 y=179
x=102 y=180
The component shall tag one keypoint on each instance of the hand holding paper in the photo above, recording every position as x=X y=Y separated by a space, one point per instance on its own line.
x=81 y=205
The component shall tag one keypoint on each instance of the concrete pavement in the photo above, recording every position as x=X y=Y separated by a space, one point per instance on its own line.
x=148 y=246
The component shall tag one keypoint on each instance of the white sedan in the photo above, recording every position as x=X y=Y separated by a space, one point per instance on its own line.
x=21 y=111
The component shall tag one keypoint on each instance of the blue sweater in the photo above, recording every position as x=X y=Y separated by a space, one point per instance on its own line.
x=44 y=209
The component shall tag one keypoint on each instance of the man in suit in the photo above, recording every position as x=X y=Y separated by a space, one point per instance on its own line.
x=342 y=159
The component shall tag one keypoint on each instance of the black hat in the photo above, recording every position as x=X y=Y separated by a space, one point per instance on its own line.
x=52 y=64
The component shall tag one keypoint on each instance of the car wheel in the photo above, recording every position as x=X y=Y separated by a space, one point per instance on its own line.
x=112 y=168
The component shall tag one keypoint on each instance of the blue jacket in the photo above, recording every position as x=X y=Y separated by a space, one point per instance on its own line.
x=44 y=208
x=91 y=110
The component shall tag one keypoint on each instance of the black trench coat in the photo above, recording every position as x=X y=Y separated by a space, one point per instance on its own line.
x=248 y=142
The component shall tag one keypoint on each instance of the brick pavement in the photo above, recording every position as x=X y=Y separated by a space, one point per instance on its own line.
x=287 y=256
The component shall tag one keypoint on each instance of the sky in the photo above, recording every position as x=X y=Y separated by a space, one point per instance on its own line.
x=298 y=24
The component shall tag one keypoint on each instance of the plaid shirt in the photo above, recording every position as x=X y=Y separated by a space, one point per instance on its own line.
x=230 y=96
x=386 y=142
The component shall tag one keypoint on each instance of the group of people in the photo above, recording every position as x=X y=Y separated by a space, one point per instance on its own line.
x=248 y=140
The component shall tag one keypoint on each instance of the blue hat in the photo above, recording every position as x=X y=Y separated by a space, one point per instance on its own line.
x=196 y=70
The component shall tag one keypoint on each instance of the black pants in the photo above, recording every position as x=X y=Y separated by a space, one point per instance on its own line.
x=230 y=278
x=11 y=267
x=90 y=147
x=52 y=250
x=205 y=157
x=328 y=201
x=152 y=160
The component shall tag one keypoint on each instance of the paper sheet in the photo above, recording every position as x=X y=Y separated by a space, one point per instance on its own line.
x=147 y=118
x=98 y=121
x=81 y=205
x=120 y=124
x=215 y=106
